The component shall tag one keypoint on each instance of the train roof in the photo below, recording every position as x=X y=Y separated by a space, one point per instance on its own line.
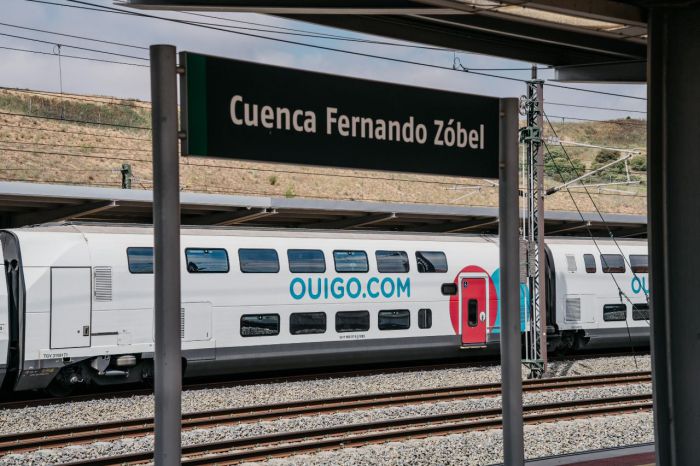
x=131 y=229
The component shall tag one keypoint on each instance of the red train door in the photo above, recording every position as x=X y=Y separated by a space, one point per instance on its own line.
x=473 y=304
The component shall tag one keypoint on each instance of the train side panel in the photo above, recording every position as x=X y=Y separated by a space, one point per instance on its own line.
x=596 y=308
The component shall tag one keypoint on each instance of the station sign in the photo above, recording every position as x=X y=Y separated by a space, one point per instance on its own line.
x=250 y=111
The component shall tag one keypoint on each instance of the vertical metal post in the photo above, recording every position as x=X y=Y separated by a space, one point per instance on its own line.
x=674 y=221
x=536 y=341
x=511 y=380
x=166 y=223
x=540 y=192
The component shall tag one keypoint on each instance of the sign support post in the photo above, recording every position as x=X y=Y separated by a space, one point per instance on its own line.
x=508 y=232
x=166 y=241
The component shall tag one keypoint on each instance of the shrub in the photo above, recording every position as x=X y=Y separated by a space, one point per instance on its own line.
x=639 y=163
x=558 y=167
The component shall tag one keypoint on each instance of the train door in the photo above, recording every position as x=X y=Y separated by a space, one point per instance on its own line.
x=473 y=303
x=71 y=306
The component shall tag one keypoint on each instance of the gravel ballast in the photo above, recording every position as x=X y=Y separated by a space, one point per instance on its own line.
x=311 y=422
x=484 y=448
x=90 y=412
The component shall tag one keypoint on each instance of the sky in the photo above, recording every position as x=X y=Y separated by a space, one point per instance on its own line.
x=41 y=72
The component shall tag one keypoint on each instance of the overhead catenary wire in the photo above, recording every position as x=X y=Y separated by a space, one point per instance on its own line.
x=612 y=109
x=84 y=5
x=74 y=57
x=106 y=9
x=81 y=133
x=145 y=105
x=610 y=122
x=74 y=36
x=75 y=47
x=114 y=125
x=595 y=206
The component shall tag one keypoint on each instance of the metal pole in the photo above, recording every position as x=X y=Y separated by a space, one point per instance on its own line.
x=166 y=223
x=540 y=193
x=674 y=220
x=512 y=385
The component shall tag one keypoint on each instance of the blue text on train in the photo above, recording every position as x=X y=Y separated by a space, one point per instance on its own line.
x=352 y=287
x=639 y=285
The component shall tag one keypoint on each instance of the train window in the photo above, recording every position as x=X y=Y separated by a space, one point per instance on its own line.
x=571 y=263
x=614 y=312
x=206 y=260
x=260 y=325
x=431 y=261
x=306 y=261
x=612 y=263
x=399 y=319
x=140 y=260
x=392 y=261
x=304 y=323
x=589 y=262
x=472 y=312
x=258 y=260
x=352 y=321
x=639 y=263
x=350 y=261
x=640 y=311
x=425 y=318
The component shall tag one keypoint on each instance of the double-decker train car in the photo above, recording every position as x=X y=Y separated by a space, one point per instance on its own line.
x=76 y=306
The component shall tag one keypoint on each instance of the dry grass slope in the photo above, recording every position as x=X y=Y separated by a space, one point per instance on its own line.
x=52 y=146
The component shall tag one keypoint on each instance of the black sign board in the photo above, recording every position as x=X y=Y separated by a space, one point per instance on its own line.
x=242 y=110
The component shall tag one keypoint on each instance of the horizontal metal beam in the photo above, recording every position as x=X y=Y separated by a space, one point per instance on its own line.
x=334 y=7
x=634 y=72
x=608 y=10
x=454 y=227
x=534 y=43
x=474 y=226
x=354 y=222
x=537 y=28
x=229 y=218
x=567 y=228
x=60 y=214
x=633 y=233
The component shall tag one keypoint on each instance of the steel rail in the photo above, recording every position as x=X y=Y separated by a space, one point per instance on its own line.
x=27 y=441
x=30 y=400
x=354 y=435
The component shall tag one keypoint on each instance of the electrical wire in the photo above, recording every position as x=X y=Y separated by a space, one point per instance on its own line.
x=144 y=105
x=114 y=125
x=610 y=122
x=612 y=109
x=106 y=9
x=81 y=133
x=75 y=47
x=74 y=57
x=580 y=89
x=53 y=144
x=92 y=39
x=600 y=252
x=578 y=174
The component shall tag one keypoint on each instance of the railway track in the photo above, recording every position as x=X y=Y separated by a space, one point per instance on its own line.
x=355 y=435
x=24 y=400
x=237 y=382
x=28 y=441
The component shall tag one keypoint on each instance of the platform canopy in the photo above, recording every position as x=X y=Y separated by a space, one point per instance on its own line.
x=584 y=40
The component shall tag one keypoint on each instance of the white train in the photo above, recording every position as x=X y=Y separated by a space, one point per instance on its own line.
x=77 y=303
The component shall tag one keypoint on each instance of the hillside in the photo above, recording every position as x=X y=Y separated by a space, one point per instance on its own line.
x=53 y=147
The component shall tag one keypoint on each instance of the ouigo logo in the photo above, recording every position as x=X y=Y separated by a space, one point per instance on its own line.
x=353 y=287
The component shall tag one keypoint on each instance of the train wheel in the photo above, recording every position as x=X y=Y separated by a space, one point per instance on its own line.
x=59 y=387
